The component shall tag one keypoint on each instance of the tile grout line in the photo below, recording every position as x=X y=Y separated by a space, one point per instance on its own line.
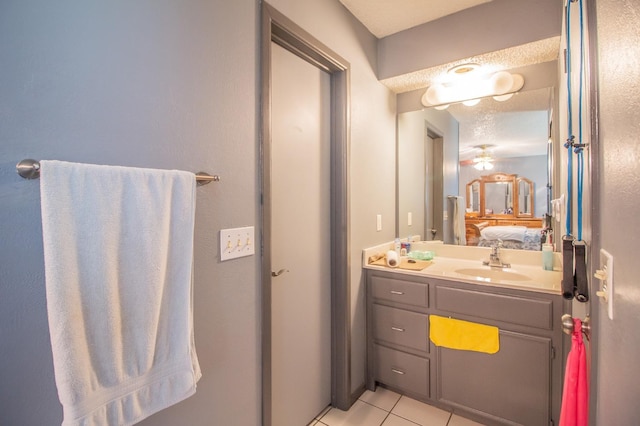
x=411 y=421
x=449 y=419
x=394 y=406
x=389 y=412
x=375 y=406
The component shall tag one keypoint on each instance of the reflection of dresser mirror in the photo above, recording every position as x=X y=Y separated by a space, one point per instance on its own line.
x=524 y=189
x=500 y=195
x=499 y=199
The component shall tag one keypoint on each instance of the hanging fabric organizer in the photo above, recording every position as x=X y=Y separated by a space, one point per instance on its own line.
x=574 y=278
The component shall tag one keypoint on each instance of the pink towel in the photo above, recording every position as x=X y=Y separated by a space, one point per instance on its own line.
x=575 y=395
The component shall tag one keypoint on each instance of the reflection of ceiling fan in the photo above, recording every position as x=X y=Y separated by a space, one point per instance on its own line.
x=482 y=161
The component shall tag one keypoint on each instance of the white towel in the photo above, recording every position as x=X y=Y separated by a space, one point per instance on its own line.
x=459 y=229
x=118 y=251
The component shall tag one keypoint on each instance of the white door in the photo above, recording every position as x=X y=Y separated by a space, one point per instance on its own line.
x=300 y=230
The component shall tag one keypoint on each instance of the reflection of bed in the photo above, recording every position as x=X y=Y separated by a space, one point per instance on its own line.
x=513 y=237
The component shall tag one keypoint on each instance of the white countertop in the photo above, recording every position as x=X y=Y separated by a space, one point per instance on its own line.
x=449 y=258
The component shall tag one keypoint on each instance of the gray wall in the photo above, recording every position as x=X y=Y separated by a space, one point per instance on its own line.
x=618 y=344
x=149 y=84
x=166 y=85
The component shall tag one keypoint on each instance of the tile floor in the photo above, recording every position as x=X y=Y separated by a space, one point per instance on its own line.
x=386 y=408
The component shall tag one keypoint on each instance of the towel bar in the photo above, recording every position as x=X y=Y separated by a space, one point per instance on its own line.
x=30 y=169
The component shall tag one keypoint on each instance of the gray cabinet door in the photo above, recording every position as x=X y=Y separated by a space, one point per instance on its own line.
x=511 y=385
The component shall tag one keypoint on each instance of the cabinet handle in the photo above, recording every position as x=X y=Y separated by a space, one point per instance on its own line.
x=397 y=371
x=397 y=329
x=397 y=292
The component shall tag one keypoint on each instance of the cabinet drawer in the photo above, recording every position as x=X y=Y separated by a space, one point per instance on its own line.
x=404 y=371
x=399 y=291
x=500 y=307
x=401 y=327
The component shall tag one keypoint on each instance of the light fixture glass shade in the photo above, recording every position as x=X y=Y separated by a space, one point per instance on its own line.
x=483 y=165
x=502 y=98
x=471 y=102
x=483 y=161
x=500 y=84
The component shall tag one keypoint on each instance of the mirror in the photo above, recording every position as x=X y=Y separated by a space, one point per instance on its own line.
x=498 y=198
x=500 y=195
x=473 y=196
x=523 y=121
x=525 y=197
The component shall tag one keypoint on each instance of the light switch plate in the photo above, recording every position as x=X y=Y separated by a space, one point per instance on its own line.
x=606 y=264
x=237 y=242
x=379 y=222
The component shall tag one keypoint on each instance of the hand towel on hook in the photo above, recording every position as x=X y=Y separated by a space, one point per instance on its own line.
x=118 y=250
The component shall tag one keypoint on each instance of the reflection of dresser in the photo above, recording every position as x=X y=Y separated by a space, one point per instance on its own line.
x=472 y=235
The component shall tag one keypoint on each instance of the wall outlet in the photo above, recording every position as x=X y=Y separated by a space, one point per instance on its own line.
x=237 y=242
x=409 y=219
x=379 y=222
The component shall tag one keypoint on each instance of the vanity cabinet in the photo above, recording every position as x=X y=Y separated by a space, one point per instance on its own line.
x=520 y=384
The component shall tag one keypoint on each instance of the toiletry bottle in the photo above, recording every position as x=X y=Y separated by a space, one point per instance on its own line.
x=547 y=257
x=397 y=246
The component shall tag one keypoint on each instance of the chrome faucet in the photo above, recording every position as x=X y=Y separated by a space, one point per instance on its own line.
x=494 y=258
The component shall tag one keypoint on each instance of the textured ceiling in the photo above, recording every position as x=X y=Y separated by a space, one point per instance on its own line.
x=527 y=54
x=515 y=128
x=386 y=17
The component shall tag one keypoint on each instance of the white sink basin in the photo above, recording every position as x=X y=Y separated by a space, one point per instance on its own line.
x=487 y=274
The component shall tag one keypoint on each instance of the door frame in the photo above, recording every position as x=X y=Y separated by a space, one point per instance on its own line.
x=279 y=29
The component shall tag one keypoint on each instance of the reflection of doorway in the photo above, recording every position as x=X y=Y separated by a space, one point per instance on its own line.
x=419 y=180
x=435 y=182
x=279 y=33
x=430 y=231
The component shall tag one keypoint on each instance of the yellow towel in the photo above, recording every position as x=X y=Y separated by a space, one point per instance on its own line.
x=463 y=335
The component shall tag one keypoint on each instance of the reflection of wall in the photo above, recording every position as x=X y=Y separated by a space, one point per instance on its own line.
x=533 y=168
x=411 y=174
x=444 y=124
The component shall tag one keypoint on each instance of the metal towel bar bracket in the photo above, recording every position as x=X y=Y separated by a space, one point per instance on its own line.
x=30 y=169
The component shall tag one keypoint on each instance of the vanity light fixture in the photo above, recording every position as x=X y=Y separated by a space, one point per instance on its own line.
x=469 y=86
